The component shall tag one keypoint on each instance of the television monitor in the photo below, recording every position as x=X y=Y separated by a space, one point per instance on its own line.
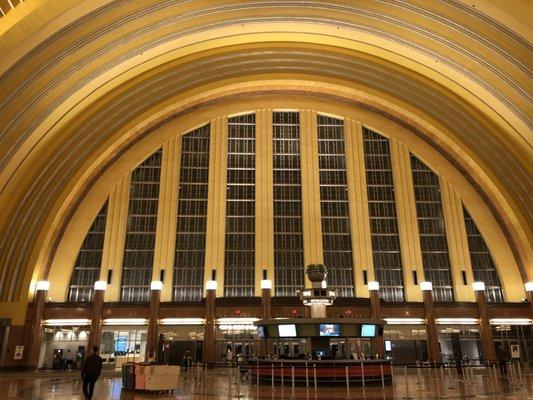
x=388 y=345
x=261 y=332
x=288 y=330
x=368 y=330
x=329 y=330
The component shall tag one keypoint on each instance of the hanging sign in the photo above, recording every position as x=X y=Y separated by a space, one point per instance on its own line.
x=515 y=351
x=19 y=350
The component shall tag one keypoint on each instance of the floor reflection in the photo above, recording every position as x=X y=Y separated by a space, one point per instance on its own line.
x=223 y=384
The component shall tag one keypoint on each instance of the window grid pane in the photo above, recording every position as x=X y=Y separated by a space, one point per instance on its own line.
x=482 y=263
x=192 y=216
x=432 y=230
x=288 y=235
x=239 y=260
x=336 y=235
x=140 y=232
x=383 y=221
x=87 y=266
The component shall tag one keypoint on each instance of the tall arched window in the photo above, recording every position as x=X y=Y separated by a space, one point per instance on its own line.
x=432 y=230
x=192 y=216
x=483 y=265
x=383 y=220
x=288 y=232
x=239 y=257
x=140 y=233
x=336 y=234
x=89 y=261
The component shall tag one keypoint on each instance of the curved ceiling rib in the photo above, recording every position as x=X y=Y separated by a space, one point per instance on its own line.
x=63 y=101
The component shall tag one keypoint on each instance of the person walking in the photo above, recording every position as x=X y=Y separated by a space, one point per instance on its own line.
x=90 y=372
x=187 y=358
x=503 y=357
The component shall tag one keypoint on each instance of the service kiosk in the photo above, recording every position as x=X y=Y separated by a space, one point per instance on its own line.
x=330 y=350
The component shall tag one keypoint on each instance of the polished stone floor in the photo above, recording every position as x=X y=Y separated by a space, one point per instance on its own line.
x=222 y=384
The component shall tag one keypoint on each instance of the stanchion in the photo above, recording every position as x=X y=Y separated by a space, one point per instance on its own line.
x=382 y=377
x=469 y=382
x=272 y=374
x=362 y=374
x=282 y=377
x=347 y=382
x=450 y=379
x=418 y=377
x=238 y=395
x=292 y=382
x=512 y=380
x=314 y=374
x=407 y=395
x=442 y=385
x=306 y=376
x=257 y=374
x=519 y=369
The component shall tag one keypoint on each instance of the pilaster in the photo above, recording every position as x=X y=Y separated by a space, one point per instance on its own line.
x=457 y=241
x=216 y=203
x=165 y=237
x=115 y=236
x=359 y=215
x=264 y=198
x=407 y=220
x=311 y=213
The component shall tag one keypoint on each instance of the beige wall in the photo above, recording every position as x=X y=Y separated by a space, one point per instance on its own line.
x=454 y=189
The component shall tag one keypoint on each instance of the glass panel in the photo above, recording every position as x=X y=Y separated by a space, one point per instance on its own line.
x=239 y=260
x=482 y=263
x=383 y=221
x=192 y=216
x=140 y=231
x=87 y=266
x=432 y=230
x=336 y=236
x=288 y=235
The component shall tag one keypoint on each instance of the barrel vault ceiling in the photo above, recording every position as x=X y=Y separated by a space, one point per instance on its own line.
x=80 y=79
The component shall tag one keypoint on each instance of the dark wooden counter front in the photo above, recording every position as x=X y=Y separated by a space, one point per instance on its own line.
x=326 y=371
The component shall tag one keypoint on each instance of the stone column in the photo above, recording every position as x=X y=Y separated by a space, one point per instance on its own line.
x=431 y=324
x=375 y=312
x=153 y=319
x=529 y=293
x=36 y=329
x=210 y=328
x=95 y=335
x=485 y=330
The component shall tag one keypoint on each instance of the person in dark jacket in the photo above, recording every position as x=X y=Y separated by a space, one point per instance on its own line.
x=90 y=372
x=503 y=358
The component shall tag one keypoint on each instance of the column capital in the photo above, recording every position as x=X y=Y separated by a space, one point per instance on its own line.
x=42 y=286
x=266 y=284
x=100 y=285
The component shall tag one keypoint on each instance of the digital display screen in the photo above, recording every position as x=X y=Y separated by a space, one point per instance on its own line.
x=329 y=330
x=368 y=330
x=261 y=332
x=388 y=345
x=287 y=330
